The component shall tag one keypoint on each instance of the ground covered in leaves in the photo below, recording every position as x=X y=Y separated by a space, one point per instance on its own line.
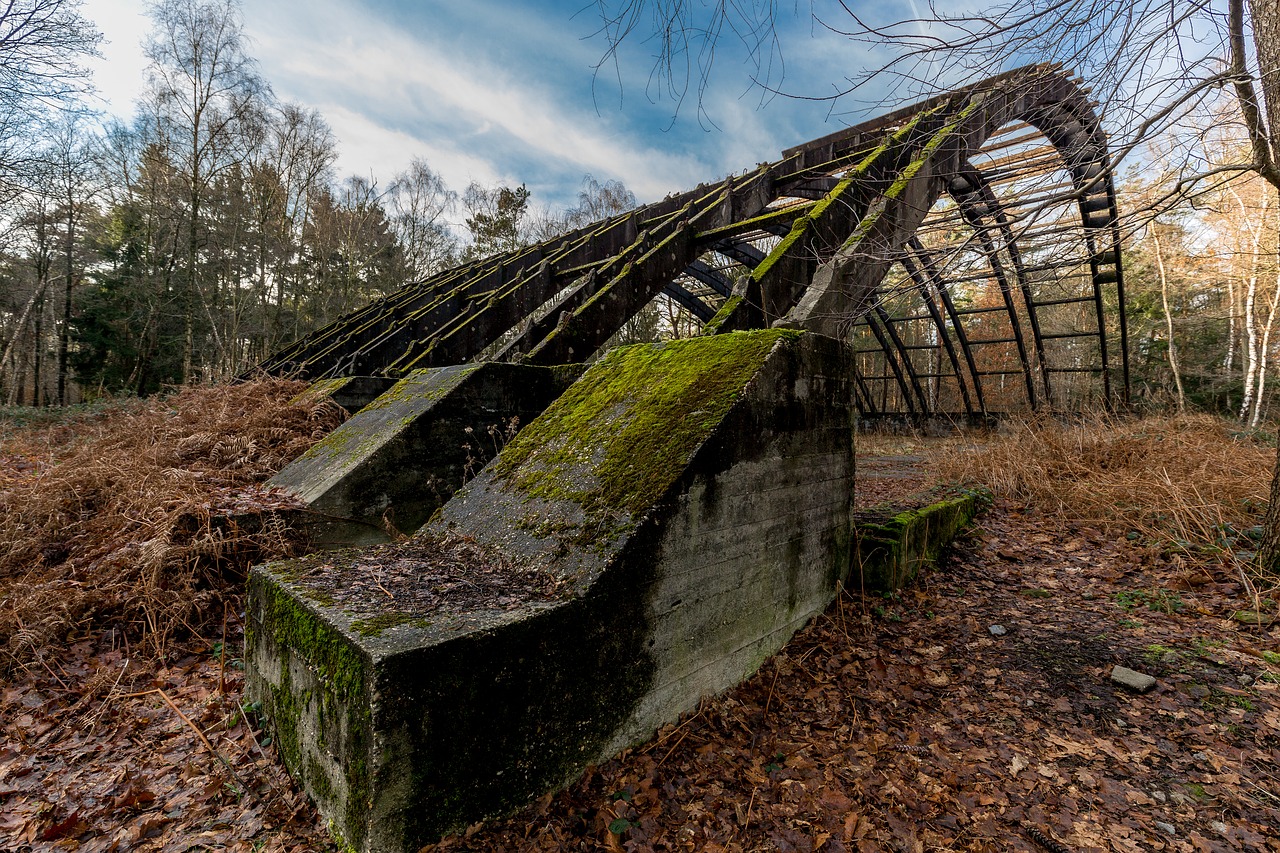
x=419 y=576
x=905 y=723
x=973 y=711
x=102 y=751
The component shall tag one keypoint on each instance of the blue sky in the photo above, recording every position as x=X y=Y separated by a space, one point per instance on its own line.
x=495 y=90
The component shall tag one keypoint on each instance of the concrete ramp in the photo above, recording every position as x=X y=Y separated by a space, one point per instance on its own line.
x=411 y=445
x=663 y=527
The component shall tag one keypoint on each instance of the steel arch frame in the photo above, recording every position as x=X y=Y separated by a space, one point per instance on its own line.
x=817 y=232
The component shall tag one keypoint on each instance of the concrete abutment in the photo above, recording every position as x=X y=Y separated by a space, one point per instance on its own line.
x=692 y=502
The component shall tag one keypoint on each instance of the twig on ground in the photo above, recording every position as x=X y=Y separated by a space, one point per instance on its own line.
x=216 y=754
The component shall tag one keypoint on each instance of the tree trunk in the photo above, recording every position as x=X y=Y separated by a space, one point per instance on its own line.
x=64 y=334
x=1251 y=333
x=1262 y=126
x=22 y=324
x=1168 y=319
x=189 y=296
x=37 y=357
x=1269 y=548
x=1260 y=396
x=1266 y=41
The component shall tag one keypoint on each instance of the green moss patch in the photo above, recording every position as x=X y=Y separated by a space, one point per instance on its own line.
x=295 y=627
x=722 y=316
x=892 y=545
x=340 y=695
x=320 y=389
x=618 y=438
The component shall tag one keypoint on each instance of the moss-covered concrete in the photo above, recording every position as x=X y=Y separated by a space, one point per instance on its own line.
x=314 y=687
x=392 y=465
x=717 y=323
x=642 y=410
x=893 y=544
x=416 y=726
x=352 y=393
x=695 y=497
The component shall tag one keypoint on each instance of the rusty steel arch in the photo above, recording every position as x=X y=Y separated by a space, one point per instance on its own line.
x=807 y=241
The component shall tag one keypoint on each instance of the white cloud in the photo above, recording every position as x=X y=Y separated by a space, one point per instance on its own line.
x=466 y=109
x=119 y=74
x=495 y=91
x=367 y=147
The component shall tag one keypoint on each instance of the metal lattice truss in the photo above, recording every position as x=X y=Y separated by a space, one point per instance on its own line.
x=967 y=247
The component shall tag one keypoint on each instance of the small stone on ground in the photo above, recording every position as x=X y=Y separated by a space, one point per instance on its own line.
x=1134 y=680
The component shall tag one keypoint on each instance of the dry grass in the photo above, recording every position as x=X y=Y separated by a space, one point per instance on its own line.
x=1186 y=479
x=140 y=518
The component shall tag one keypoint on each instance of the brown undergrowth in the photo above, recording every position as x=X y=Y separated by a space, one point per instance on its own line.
x=142 y=517
x=894 y=722
x=1193 y=482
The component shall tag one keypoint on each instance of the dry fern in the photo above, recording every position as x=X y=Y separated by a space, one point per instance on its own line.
x=1185 y=479
x=138 y=518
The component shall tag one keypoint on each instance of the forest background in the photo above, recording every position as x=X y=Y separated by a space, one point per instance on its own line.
x=187 y=244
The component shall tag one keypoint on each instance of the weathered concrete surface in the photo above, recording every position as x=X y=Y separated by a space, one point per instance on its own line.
x=352 y=393
x=405 y=453
x=892 y=546
x=696 y=496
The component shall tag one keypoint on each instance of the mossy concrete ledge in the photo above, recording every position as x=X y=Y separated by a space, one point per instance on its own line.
x=693 y=498
x=892 y=545
x=352 y=393
x=405 y=453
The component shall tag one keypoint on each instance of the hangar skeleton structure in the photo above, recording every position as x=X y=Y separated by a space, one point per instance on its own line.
x=966 y=246
x=691 y=500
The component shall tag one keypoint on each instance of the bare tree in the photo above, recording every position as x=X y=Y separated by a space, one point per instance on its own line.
x=207 y=91
x=685 y=34
x=417 y=201
x=599 y=200
x=73 y=180
x=298 y=154
x=42 y=44
x=1148 y=62
x=28 y=284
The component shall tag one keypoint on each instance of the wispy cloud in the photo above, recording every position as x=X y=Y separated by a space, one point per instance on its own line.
x=495 y=90
x=472 y=117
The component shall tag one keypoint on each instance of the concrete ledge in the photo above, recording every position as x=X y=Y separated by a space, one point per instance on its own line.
x=395 y=462
x=399 y=733
x=893 y=544
x=352 y=393
x=691 y=503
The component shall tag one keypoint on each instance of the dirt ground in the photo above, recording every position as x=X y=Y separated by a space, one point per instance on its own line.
x=972 y=711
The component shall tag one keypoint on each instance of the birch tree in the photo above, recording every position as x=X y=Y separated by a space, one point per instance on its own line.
x=417 y=202
x=206 y=90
